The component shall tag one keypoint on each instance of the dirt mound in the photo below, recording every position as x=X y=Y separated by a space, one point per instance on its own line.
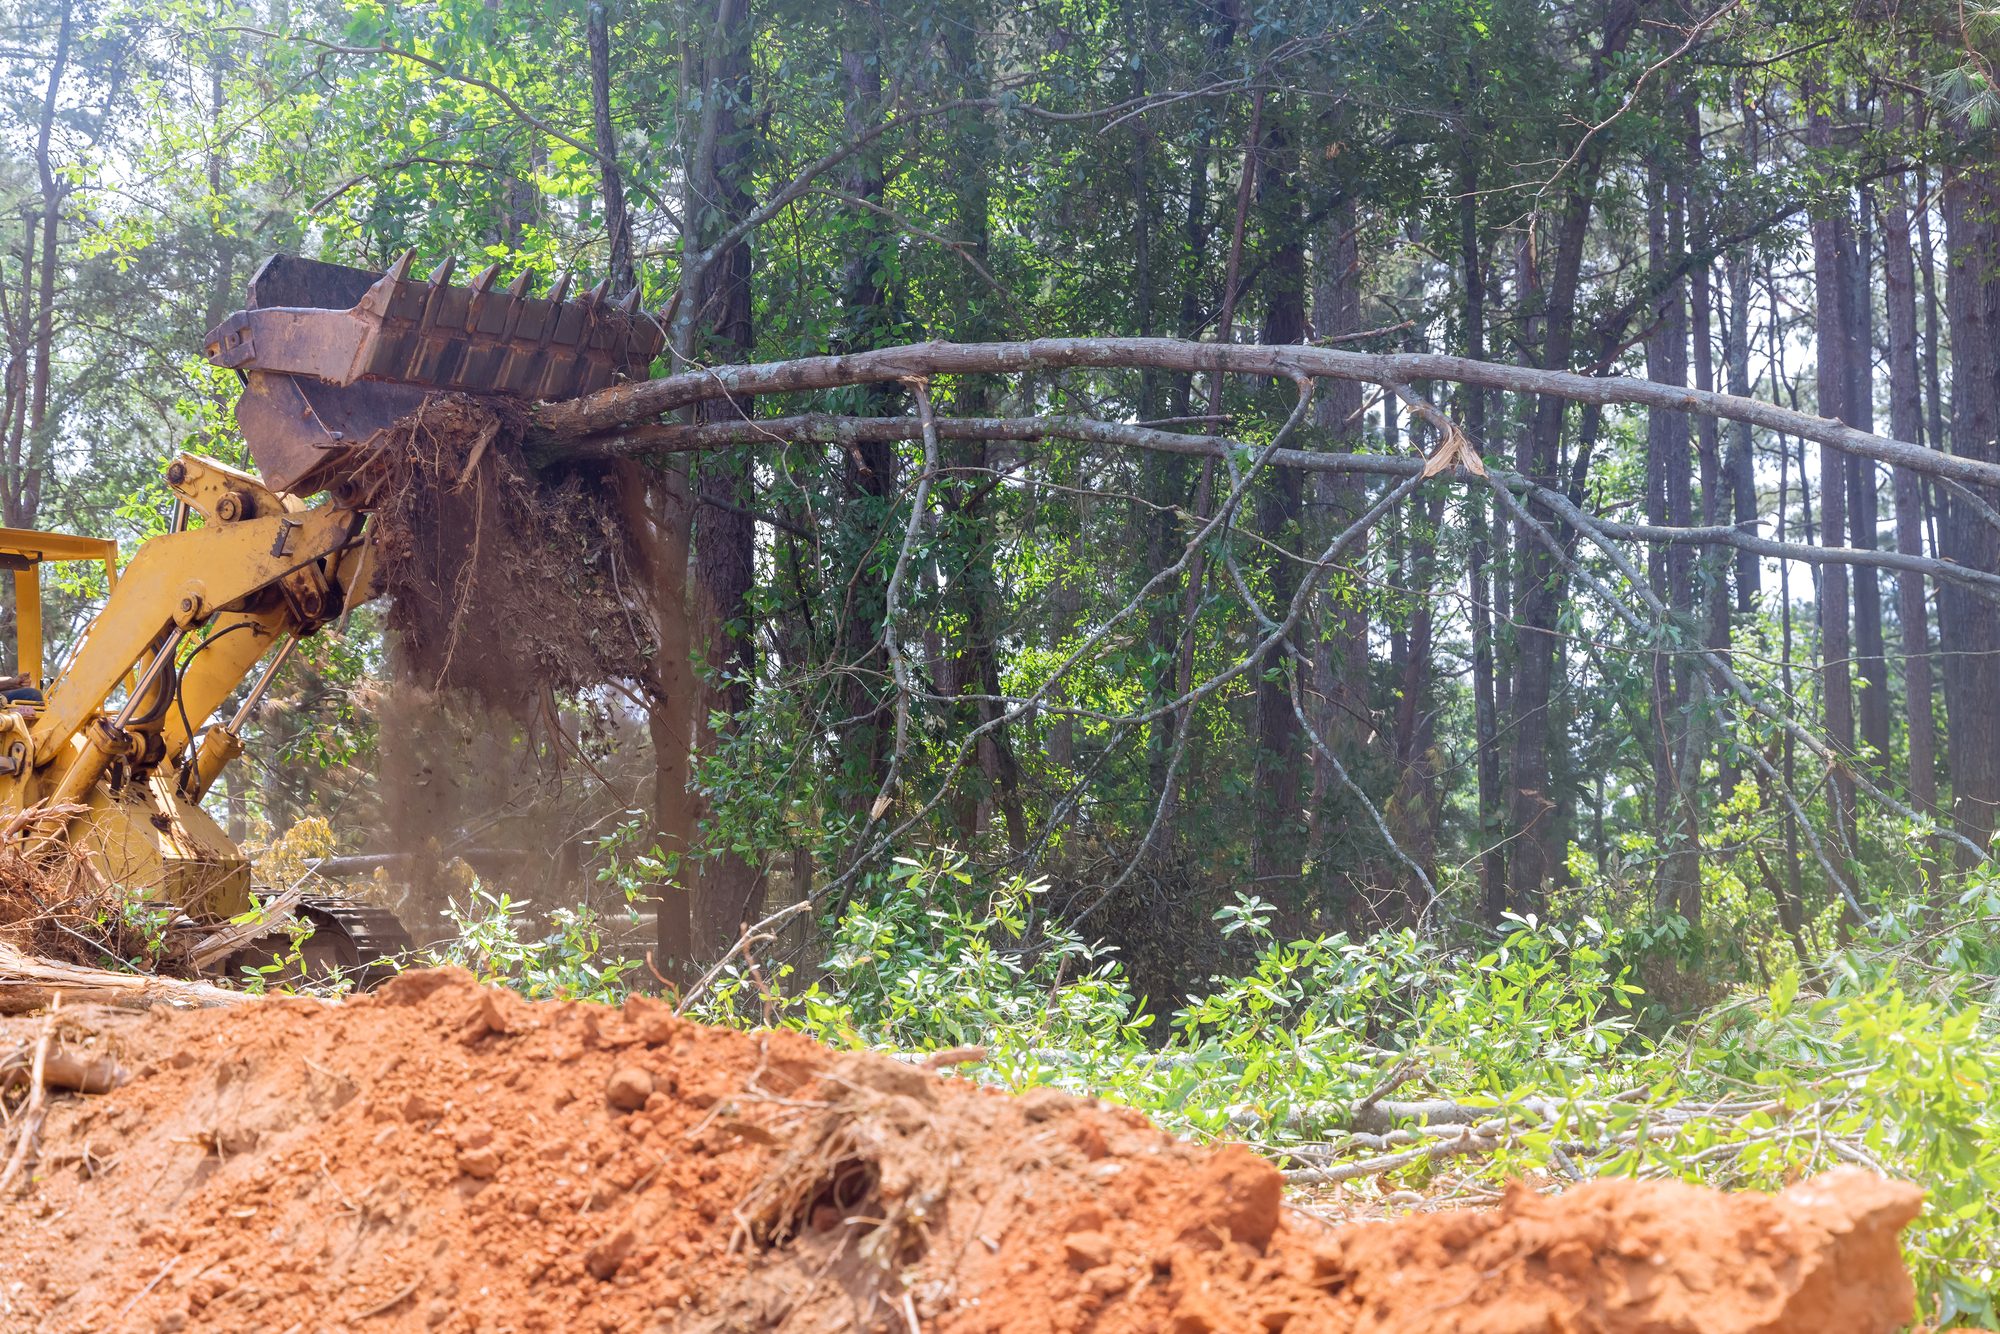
x=441 y=1157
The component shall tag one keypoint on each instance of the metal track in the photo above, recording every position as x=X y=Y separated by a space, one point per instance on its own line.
x=373 y=933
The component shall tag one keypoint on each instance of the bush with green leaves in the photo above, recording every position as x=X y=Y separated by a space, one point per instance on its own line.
x=1885 y=1058
x=494 y=940
x=929 y=956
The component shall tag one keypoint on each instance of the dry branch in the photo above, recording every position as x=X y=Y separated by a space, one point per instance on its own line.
x=45 y=977
x=621 y=406
x=826 y=428
x=38 y=1092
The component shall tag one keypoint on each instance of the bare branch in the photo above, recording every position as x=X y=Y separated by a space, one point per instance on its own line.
x=622 y=405
x=826 y=428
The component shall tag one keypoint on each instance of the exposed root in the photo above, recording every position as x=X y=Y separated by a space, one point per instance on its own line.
x=30 y=1126
x=505 y=581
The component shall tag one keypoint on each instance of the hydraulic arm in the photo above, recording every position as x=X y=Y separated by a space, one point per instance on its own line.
x=113 y=754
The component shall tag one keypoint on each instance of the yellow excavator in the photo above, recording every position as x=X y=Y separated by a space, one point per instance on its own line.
x=111 y=754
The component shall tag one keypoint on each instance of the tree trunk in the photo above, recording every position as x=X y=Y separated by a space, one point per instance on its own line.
x=1906 y=420
x=1480 y=570
x=1340 y=671
x=1535 y=855
x=1742 y=464
x=617 y=222
x=1832 y=322
x=869 y=318
x=1864 y=498
x=724 y=552
x=21 y=502
x=1413 y=811
x=1969 y=633
x=1279 y=842
x=1170 y=621
x=1677 y=885
x=973 y=586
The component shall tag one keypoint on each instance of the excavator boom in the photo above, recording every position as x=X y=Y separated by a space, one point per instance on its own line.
x=332 y=358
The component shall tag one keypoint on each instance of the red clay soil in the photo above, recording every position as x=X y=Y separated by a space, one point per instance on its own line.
x=437 y=1157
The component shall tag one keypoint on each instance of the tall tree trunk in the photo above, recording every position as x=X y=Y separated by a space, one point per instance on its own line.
x=870 y=317
x=1864 y=497
x=1714 y=562
x=1970 y=633
x=1167 y=621
x=1906 y=414
x=724 y=551
x=1742 y=463
x=1677 y=884
x=1832 y=322
x=1480 y=569
x=1279 y=842
x=973 y=586
x=222 y=281
x=1536 y=854
x=617 y=222
x=1413 y=811
x=1340 y=701
x=21 y=497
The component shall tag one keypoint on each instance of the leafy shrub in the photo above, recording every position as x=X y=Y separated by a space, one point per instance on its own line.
x=492 y=941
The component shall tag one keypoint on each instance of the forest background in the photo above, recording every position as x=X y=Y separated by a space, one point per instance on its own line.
x=1244 y=751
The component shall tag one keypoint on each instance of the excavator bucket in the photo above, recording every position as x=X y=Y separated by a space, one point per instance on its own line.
x=331 y=356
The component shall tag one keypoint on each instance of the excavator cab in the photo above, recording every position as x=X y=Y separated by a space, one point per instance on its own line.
x=24 y=551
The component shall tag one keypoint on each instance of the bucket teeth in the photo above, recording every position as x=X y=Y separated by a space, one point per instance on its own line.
x=322 y=343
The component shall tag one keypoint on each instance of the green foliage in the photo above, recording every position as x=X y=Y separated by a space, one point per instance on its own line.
x=492 y=939
x=933 y=958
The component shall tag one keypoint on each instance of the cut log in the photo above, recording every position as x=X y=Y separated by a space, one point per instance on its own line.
x=29 y=983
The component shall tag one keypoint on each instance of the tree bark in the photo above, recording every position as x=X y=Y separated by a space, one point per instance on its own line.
x=1677 y=884
x=1279 y=843
x=1970 y=638
x=1481 y=572
x=1742 y=462
x=1340 y=672
x=973 y=585
x=724 y=552
x=1864 y=497
x=1899 y=295
x=21 y=501
x=869 y=315
x=612 y=421
x=1413 y=810
x=617 y=222
x=1832 y=324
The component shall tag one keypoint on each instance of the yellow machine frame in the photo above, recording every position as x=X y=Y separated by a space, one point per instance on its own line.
x=122 y=781
x=25 y=551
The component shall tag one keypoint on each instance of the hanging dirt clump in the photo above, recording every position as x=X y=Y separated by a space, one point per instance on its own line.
x=509 y=582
